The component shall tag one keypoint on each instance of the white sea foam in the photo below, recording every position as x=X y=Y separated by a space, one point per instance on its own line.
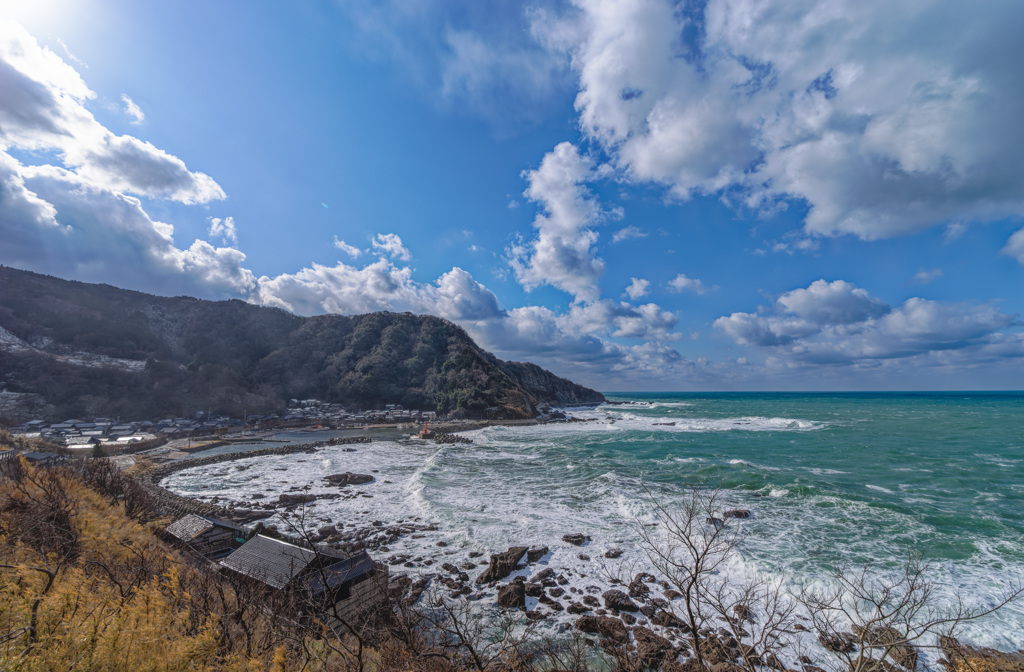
x=531 y=485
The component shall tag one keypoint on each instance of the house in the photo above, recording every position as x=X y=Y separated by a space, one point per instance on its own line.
x=42 y=459
x=342 y=586
x=211 y=537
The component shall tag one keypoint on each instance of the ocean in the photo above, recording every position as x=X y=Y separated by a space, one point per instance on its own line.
x=831 y=480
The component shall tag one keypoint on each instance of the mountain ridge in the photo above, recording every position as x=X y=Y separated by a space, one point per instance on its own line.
x=69 y=348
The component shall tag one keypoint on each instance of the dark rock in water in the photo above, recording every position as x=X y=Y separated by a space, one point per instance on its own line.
x=556 y=592
x=902 y=653
x=293 y=500
x=583 y=556
x=535 y=553
x=535 y=615
x=591 y=601
x=638 y=588
x=669 y=620
x=613 y=553
x=348 y=478
x=618 y=600
x=962 y=656
x=651 y=649
x=736 y=513
x=398 y=586
x=627 y=618
x=534 y=589
x=415 y=591
x=611 y=628
x=743 y=613
x=555 y=605
x=672 y=594
x=576 y=608
x=512 y=595
x=716 y=522
x=839 y=642
x=502 y=564
x=575 y=539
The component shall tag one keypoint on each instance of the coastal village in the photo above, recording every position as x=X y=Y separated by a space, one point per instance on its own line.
x=116 y=436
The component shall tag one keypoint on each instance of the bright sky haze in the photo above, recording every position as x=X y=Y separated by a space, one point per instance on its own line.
x=638 y=195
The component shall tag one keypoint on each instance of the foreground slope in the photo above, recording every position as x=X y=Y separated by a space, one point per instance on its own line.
x=75 y=349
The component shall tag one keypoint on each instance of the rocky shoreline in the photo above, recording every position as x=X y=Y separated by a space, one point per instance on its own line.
x=613 y=607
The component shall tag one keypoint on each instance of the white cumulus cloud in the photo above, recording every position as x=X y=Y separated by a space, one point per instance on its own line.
x=350 y=250
x=1015 y=246
x=839 y=323
x=563 y=253
x=132 y=109
x=637 y=287
x=682 y=282
x=223 y=229
x=626 y=233
x=390 y=245
x=883 y=119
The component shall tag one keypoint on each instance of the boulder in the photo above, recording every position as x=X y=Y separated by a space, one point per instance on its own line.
x=902 y=653
x=576 y=539
x=613 y=553
x=535 y=553
x=512 y=595
x=534 y=589
x=348 y=478
x=618 y=600
x=610 y=628
x=839 y=642
x=415 y=591
x=398 y=586
x=651 y=649
x=736 y=513
x=717 y=523
x=742 y=612
x=960 y=656
x=669 y=620
x=295 y=500
x=502 y=564
x=638 y=588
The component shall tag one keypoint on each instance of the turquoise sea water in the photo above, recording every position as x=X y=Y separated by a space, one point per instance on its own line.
x=832 y=480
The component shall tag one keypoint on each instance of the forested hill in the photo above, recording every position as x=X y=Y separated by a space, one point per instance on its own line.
x=71 y=349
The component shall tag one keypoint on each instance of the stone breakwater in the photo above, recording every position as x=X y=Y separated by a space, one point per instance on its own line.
x=171 y=504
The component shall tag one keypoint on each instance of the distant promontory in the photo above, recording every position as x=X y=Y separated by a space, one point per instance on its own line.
x=71 y=349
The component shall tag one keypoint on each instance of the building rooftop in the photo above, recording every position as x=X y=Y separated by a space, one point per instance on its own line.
x=192 y=525
x=278 y=563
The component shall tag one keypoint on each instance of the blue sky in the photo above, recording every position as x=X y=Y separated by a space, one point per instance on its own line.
x=730 y=194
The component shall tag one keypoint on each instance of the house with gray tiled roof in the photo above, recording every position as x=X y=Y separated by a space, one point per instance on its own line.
x=211 y=537
x=341 y=585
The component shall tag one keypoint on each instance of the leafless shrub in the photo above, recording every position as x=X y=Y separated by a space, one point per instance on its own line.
x=866 y=617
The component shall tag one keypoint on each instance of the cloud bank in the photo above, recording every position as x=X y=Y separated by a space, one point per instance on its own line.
x=882 y=119
x=837 y=323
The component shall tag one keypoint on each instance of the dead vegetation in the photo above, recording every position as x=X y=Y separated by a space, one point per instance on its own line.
x=86 y=583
